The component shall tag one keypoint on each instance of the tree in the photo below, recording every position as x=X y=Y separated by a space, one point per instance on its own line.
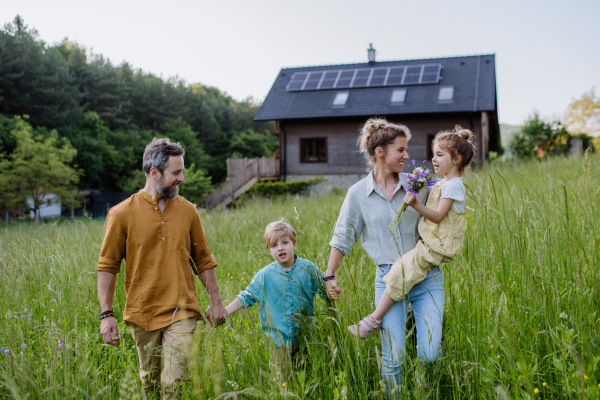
x=196 y=186
x=583 y=116
x=539 y=138
x=253 y=144
x=38 y=167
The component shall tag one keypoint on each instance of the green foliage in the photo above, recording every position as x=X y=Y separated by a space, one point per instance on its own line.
x=196 y=186
x=539 y=138
x=521 y=307
x=63 y=86
x=253 y=144
x=38 y=167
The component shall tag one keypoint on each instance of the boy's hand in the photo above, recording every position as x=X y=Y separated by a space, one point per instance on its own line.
x=410 y=199
x=333 y=290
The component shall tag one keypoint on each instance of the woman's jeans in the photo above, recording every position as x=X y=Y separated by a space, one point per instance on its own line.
x=427 y=298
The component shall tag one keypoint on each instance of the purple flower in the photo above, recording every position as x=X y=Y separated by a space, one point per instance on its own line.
x=413 y=161
x=23 y=345
x=9 y=316
x=424 y=161
x=6 y=351
x=25 y=310
x=22 y=317
x=30 y=315
x=59 y=343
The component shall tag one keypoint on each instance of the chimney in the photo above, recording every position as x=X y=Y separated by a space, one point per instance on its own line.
x=371 y=53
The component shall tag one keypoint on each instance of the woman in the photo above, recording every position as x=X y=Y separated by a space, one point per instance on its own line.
x=367 y=213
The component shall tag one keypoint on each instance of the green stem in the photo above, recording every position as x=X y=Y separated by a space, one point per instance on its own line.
x=398 y=217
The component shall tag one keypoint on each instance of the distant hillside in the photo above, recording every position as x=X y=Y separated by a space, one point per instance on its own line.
x=507 y=132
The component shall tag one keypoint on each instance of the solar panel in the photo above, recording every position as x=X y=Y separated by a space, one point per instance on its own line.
x=329 y=79
x=345 y=79
x=395 y=76
x=362 y=77
x=366 y=77
x=297 y=81
x=313 y=81
x=378 y=76
x=413 y=75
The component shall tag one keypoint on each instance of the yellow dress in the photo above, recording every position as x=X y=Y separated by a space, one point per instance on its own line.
x=439 y=244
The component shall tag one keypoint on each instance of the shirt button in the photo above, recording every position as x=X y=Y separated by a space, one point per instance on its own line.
x=163 y=238
x=163 y=222
x=156 y=208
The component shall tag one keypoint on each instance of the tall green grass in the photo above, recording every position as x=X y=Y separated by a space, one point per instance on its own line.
x=522 y=302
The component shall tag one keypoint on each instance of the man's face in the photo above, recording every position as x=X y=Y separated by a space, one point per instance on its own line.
x=167 y=184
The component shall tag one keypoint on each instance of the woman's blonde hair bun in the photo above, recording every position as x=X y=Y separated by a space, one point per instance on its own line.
x=378 y=132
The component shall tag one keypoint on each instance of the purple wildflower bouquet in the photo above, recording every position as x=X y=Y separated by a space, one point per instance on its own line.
x=417 y=180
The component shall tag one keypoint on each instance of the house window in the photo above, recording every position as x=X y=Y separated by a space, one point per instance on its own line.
x=313 y=150
x=446 y=94
x=340 y=99
x=49 y=202
x=430 y=138
x=398 y=96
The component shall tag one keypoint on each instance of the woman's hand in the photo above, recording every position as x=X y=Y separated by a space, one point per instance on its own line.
x=410 y=199
x=333 y=290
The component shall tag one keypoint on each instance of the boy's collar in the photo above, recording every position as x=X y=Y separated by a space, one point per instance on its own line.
x=295 y=261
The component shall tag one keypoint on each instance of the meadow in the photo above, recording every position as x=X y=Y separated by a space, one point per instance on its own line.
x=522 y=317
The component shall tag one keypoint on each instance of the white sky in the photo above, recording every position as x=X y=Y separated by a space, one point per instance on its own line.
x=547 y=52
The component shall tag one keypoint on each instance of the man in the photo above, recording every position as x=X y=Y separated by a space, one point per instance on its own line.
x=161 y=238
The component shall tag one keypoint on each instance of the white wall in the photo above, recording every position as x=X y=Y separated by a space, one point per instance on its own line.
x=47 y=211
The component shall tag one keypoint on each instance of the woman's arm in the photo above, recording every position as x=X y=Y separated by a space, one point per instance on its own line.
x=335 y=258
x=436 y=216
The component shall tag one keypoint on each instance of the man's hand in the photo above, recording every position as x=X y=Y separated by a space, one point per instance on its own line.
x=410 y=199
x=109 y=331
x=216 y=315
x=333 y=290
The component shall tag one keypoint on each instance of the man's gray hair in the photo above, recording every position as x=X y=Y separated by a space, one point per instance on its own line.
x=157 y=154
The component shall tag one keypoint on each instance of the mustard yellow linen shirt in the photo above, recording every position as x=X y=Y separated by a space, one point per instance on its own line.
x=157 y=247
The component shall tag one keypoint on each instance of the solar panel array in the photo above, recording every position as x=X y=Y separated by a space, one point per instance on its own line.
x=366 y=77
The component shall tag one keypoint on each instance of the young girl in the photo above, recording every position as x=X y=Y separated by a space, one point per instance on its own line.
x=442 y=228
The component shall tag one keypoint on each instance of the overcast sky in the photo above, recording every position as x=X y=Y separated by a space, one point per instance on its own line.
x=547 y=52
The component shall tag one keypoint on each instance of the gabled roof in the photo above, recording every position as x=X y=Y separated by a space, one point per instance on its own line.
x=473 y=79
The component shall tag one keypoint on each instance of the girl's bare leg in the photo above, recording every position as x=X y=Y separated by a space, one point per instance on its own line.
x=384 y=306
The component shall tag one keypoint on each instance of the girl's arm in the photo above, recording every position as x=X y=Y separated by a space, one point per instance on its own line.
x=434 y=216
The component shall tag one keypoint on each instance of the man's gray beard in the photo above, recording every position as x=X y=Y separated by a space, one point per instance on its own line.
x=168 y=192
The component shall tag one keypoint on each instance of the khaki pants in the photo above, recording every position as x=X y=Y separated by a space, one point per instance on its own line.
x=163 y=357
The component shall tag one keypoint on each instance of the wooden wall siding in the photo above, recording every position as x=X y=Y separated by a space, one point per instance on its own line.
x=343 y=153
x=267 y=166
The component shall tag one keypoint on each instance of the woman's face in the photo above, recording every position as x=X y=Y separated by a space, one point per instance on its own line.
x=395 y=155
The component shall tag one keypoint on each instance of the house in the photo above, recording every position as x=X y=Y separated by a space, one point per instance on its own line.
x=50 y=208
x=319 y=110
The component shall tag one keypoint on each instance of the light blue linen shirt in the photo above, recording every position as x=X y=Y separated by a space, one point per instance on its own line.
x=282 y=294
x=367 y=214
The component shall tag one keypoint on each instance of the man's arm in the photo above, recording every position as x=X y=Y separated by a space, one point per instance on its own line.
x=217 y=313
x=106 y=291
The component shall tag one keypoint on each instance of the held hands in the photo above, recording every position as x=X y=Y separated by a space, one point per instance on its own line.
x=109 y=331
x=333 y=290
x=410 y=199
x=216 y=315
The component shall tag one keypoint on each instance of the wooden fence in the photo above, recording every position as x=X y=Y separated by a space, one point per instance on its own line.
x=242 y=173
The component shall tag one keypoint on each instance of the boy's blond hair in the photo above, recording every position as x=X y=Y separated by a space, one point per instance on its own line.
x=278 y=229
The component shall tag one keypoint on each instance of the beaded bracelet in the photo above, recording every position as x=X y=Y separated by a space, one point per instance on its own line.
x=329 y=278
x=106 y=314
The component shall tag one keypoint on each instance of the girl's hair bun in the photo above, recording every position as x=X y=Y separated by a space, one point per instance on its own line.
x=463 y=133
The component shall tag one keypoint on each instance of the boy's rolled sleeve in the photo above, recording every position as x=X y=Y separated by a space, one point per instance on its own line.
x=252 y=293
x=349 y=226
x=199 y=250
x=113 y=246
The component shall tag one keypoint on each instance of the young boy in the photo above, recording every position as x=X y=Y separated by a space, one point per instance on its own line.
x=283 y=288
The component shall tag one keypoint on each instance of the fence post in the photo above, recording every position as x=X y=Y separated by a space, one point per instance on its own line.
x=515 y=158
x=223 y=200
x=72 y=213
x=257 y=170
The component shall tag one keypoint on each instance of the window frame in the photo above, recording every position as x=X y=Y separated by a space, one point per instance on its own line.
x=405 y=90
x=450 y=100
x=347 y=93
x=305 y=161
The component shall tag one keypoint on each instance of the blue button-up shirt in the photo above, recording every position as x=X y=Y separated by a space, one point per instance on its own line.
x=281 y=294
x=368 y=214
